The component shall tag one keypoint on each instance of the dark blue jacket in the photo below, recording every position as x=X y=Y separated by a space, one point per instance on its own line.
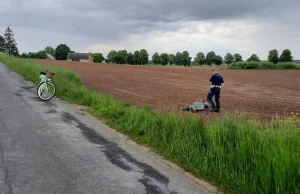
x=216 y=79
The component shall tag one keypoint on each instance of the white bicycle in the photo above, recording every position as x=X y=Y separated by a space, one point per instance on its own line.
x=46 y=89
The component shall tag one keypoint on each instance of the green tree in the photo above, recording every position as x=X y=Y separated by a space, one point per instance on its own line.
x=111 y=56
x=40 y=55
x=273 y=56
x=156 y=58
x=121 y=57
x=98 y=57
x=144 y=56
x=137 y=58
x=218 y=60
x=171 y=59
x=50 y=50
x=2 y=44
x=10 y=42
x=178 y=60
x=130 y=58
x=253 y=57
x=210 y=58
x=186 y=58
x=24 y=55
x=200 y=58
x=237 y=57
x=164 y=59
x=228 y=58
x=61 y=52
x=286 y=56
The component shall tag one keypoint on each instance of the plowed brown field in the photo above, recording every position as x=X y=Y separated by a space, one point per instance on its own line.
x=262 y=93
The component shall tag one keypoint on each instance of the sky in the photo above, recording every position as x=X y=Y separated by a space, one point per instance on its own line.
x=163 y=26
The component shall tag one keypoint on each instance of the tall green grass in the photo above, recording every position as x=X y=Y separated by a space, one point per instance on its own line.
x=235 y=152
x=263 y=65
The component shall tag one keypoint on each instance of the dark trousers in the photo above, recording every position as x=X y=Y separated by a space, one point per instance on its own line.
x=214 y=92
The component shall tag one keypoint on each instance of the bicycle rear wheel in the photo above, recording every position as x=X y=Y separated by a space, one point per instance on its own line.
x=46 y=91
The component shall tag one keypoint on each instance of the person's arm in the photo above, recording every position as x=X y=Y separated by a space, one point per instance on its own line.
x=222 y=84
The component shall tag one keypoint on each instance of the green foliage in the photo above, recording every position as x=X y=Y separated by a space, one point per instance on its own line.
x=61 y=52
x=186 y=59
x=178 y=59
x=10 y=44
x=130 y=58
x=111 y=56
x=171 y=59
x=218 y=60
x=144 y=56
x=98 y=57
x=41 y=55
x=234 y=151
x=264 y=65
x=210 y=58
x=120 y=57
x=253 y=57
x=237 y=57
x=200 y=58
x=228 y=58
x=273 y=56
x=50 y=50
x=2 y=44
x=286 y=56
x=164 y=59
x=137 y=58
x=156 y=58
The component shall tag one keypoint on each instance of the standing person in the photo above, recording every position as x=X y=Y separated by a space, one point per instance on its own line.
x=215 y=90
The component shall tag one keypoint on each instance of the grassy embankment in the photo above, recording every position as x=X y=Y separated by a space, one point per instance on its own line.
x=235 y=152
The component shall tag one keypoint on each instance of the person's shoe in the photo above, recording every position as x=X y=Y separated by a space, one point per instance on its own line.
x=216 y=110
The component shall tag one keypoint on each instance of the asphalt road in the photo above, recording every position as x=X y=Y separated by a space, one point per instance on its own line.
x=51 y=147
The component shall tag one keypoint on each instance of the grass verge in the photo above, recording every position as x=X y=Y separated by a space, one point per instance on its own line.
x=235 y=152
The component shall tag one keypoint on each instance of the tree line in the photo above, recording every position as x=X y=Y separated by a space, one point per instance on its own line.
x=8 y=45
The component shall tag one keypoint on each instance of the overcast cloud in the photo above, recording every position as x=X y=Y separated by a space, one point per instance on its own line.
x=170 y=26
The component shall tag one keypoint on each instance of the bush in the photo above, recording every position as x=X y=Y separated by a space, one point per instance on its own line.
x=252 y=65
x=267 y=65
x=287 y=65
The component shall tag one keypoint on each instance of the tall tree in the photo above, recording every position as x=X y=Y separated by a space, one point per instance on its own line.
x=10 y=42
x=253 y=57
x=171 y=59
x=186 y=58
x=218 y=60
x=61 y=52
x=286 y=56
x=200 y=58
x=273 y=56
x=130 y=58
x=50 y=50
x=2 y=44
x=228 y=58
x=137 y=58
x=111 y=56
x=178 y=59
x=98 y=57
x=164 y=59
x=237 y=57
x=144 y=56
x=120 y=57
x=210 y=58
x=156 y=58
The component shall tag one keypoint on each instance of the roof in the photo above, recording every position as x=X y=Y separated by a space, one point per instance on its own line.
x=76 y=56
x=50 y=56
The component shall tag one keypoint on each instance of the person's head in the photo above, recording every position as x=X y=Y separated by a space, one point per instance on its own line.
x=215 y=71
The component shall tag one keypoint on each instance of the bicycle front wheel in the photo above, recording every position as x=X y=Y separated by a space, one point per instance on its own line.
x=46 y=91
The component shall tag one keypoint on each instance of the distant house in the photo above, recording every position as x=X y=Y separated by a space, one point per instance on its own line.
x=80 y=57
